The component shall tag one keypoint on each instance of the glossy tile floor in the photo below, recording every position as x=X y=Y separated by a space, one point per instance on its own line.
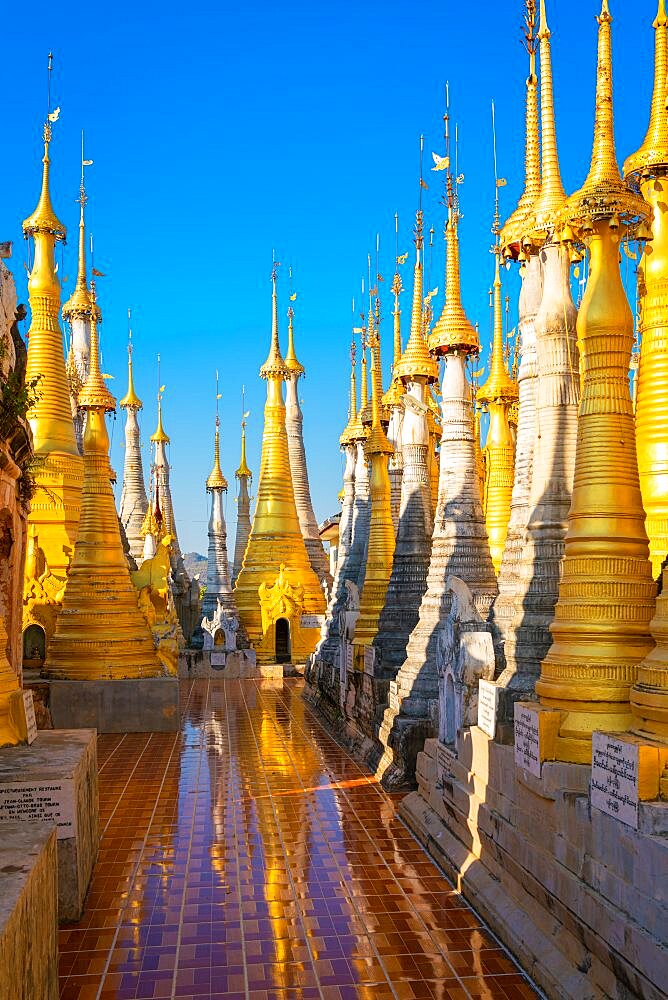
x=249 y=856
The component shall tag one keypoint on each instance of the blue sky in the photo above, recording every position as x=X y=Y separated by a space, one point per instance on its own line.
x=219 y=133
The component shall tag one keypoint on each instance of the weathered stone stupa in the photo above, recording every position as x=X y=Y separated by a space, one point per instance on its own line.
x=459 y=543
x=163 y=501
x=134 y=502
x=218 y=583
x=381 y=541
x=539 y=569
x=416 y=369
x=514 y=247
x=330 y=649
x=276 y=585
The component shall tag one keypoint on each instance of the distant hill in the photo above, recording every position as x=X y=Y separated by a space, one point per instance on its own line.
x=195 y=565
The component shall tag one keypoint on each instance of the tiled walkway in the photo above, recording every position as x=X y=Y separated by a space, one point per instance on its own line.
x=249 y=856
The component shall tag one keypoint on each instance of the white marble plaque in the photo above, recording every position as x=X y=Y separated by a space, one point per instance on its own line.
x=31 y=724
x=488 y=701
x=312 y=621
x=40 y=802
x=369 y=658
x=218 y=660
x=445 y=758
x=614 y=778
x=527 y=750
x=350 y=657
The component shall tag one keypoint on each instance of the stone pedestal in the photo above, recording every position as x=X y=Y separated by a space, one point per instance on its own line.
x=214 y=664
x=54 y=783
x=140 y=705
x=579 y=898
x=28 y=912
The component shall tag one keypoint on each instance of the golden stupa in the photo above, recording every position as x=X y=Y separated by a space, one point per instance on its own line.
x=649 y=167
x=606 y=595
x=276 y=585
x=498 y=394
x=100 y=632
x=58 y=466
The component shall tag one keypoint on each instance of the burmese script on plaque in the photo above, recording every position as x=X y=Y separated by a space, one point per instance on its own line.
x=614 y=778
x=527 y=746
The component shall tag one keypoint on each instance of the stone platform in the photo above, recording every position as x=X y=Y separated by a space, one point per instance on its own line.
x=579 y=898
x=53 y=782
x=139 y=705
x=237 y=664
x=28 y=912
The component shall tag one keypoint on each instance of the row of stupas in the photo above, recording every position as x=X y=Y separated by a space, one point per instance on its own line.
x=557 y=526
x=109 y=592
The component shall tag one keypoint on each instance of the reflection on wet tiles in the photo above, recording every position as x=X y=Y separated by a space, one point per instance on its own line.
x=250 y=856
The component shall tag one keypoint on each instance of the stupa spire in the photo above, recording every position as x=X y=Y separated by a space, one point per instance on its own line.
x=300 y=482
x=100 y=633
x=381 y=529
x=54 y=514
x=513 y=230
x=244 y=477
x=654 y=149
x=499 y=393
x=80 y=303
x=134 y=502
x=218 y=596
x=552 y=196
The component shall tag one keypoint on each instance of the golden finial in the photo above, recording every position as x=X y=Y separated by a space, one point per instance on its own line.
x=513 y=230
x=604 y=193
x=160 y=436
x=44 y=218
x=552 y=197
x=654 y=151
x=130 y=399
x=94 y=394
x=416 y=360
x=291 y=362
x=452 y=331
x=216 y=480
x=274 y=366
x=79 y=303
x=243 y=470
